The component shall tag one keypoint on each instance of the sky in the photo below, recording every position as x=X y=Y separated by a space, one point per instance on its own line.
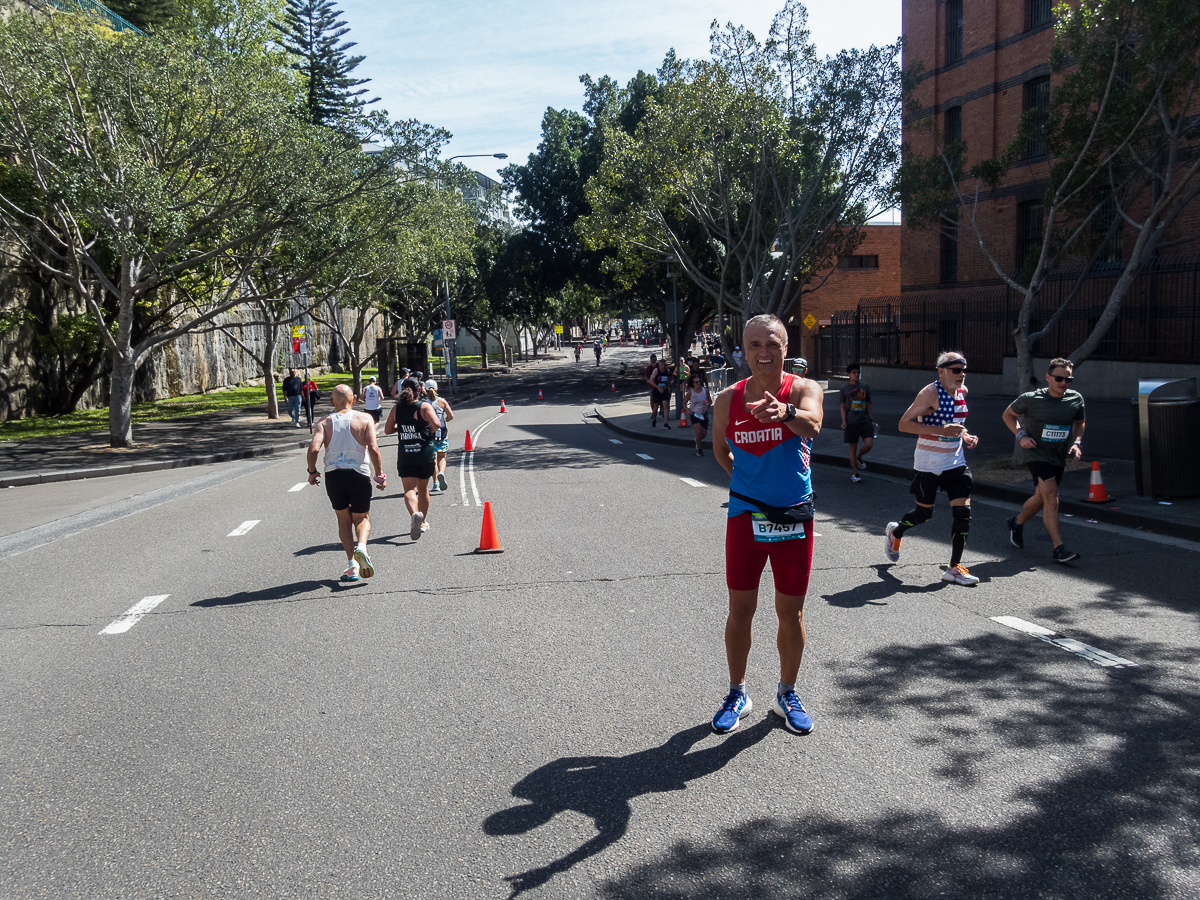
x=486 y=72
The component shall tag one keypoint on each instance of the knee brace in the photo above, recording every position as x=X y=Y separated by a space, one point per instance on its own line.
x=916 y=516
x=962 y=519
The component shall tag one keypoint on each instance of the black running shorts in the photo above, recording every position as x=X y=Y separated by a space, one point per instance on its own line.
x=858 y=431
x=348 y=487
x=955 y=482
x=1044 y=471
x=420 y=468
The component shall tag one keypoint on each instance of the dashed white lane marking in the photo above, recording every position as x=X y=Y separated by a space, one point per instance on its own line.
x=1088 y=652
x=613 y=441
x=693 y=482
x=645 y=456
x=135 y=612
x=298 y=487
x=243 y=528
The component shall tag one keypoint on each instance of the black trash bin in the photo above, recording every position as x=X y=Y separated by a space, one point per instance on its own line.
x=1172 y=435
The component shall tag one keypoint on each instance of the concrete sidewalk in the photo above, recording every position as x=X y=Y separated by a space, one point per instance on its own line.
x=191 y=441
x=893 y=456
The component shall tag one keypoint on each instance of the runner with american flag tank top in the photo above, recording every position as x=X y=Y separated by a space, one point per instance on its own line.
x=939 y=419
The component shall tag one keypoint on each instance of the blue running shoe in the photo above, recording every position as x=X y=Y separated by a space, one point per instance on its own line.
x=789 y=708
x=729 y=716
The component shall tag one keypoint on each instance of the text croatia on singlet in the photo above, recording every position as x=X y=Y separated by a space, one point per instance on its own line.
x=754 y=437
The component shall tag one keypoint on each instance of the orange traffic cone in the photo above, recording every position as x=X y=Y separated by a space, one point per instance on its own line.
x=1096 y=491
x=614 y=387
x=489 y=541
x=468 y=447
x=540 y=397
x=682 y=419
x=502 y=409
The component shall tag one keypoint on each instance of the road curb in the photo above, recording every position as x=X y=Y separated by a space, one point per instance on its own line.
x=989 y=489
x=155 y=465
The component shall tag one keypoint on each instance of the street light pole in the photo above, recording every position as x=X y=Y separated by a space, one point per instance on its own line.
x=452 y=345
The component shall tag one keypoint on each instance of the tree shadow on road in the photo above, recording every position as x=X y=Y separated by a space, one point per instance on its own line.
x=601 y=787
x=1116 y=818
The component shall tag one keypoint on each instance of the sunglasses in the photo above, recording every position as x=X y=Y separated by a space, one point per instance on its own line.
x=1061 y=378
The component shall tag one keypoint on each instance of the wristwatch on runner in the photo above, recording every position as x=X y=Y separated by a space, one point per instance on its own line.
x=790 y=414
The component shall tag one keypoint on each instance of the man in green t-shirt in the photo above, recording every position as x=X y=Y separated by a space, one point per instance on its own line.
x=1052 y=433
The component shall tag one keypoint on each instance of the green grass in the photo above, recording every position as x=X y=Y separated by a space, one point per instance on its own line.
x=161 y=410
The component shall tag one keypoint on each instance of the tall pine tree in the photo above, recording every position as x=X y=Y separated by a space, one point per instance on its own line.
x=145 y=14
x=311 y=31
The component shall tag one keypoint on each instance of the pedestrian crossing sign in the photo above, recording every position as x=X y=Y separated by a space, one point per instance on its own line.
x=809 y=321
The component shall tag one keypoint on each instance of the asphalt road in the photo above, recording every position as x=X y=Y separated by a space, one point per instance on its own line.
x=535 y=723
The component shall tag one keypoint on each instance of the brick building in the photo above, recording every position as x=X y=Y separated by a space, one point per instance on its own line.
x=872 y=271
x=985 y=64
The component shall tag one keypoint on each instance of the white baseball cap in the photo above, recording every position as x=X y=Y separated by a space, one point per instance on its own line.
x=371 y=379
x=431 y=385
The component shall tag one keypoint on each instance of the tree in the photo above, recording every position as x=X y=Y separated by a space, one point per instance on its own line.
x=146 y=14
x=773 y=156
x=153 y=173
x=311 y=32
x=1121 y=132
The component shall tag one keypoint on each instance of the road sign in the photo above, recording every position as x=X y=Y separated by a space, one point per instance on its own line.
x=437 y=335
x=300 y=346
x=809 y=321
x=297 y=332
x=448 y=332
x=558 y=329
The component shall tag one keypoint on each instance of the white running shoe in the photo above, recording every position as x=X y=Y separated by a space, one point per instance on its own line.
x=414 y=531
x=351 y=573
x=959 y=575
x=862 y=466
x=364 y=562
x=855 y=478
x=891 y=545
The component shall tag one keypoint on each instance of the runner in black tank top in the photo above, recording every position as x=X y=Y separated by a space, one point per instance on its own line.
x=416 y=422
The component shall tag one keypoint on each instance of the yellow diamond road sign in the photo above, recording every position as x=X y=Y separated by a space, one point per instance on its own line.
x=810 y=321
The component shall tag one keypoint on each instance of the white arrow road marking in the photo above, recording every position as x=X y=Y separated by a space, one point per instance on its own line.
x=1092 y=654
x=135 y=612
x=693 y=482
x=644 y=456
x=298 y=487
x=243 y=528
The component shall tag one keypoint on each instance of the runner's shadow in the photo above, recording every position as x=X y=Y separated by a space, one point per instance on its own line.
x=875 y=592
x=279 y=592
x=601 y=787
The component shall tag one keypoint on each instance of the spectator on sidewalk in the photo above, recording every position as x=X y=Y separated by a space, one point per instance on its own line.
x=737 y=357
x=857 y=419
x=292 y=389
x=310 y=395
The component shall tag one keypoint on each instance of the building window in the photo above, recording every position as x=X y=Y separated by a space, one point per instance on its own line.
x=1029 y=233
x=1039 y=12
x=952 y=127
x=954 y=30
x=1037 y=104
x=949 y=254
x=858 y=262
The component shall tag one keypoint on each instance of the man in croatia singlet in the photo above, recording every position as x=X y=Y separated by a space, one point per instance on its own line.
x=763 y=428
x=939 y=419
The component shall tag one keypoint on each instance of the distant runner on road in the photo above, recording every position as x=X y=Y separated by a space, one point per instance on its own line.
x=1053 y=433
x=857 y=420
x=764 y=426
x=597 y=348
x=939 y=416
x=373 y=400
x=441 y=440
x=351 y=451
x=659 y=381
x=413 y=417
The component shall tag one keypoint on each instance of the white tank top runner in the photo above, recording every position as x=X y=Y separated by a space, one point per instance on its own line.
x=698 y=401
x=935 y=452
x=343 y=451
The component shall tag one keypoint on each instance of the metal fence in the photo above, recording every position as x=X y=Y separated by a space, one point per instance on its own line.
x=1159 y=321
x=98 y=10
